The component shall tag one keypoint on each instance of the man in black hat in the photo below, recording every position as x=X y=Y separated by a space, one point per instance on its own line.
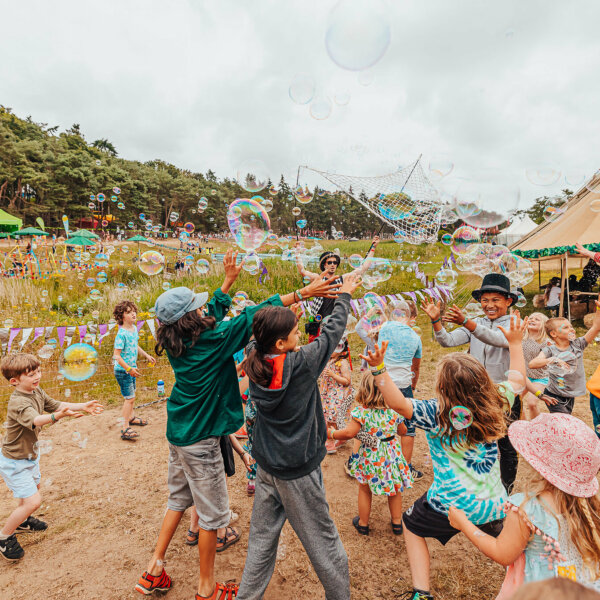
x=328 y=262
x=487 y=344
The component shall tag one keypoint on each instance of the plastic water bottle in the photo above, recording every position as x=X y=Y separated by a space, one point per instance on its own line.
x=160 y=388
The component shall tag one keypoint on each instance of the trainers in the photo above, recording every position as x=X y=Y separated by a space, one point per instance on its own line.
x=149 y=584
x=416 y=474
x=347 y=468
x=415 y=595
x=241 y=433
x=11 y=549
x=31 y=524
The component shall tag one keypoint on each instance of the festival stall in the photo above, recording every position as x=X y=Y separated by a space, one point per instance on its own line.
x=9 y=223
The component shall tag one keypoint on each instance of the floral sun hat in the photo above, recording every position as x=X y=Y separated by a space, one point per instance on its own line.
x=563 y=449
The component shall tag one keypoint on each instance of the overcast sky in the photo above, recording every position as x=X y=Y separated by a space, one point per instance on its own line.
x=495 y=86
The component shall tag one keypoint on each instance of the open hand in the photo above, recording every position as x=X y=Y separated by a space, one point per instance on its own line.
x=93 y=407
x=351 y=282
x=516 y=330
x=134 y=372
x=431 y=309
x=322 y=287
x=232 y=269
x=67 y=412
x=375 y=358
x=454 y=315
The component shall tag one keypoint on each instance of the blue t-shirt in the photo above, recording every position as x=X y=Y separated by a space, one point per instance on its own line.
x=127 y=342
x=404 y=345
x=466 y=478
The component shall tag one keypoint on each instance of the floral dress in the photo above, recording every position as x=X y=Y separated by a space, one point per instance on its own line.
x=334 y=395
x=383 y=468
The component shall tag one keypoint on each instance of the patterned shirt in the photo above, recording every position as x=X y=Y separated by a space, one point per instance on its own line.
x=127 y=342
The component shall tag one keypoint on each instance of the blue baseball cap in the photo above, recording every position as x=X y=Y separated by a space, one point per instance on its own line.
x=176 y=302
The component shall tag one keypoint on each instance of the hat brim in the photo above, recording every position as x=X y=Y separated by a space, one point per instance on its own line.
x=200 y=299
x=493 y=288
x=322 y=262
x=519 y=435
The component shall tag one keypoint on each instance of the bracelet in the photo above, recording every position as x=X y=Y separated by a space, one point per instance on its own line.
x=332 y=432
x=436 y=321
x=128 y=369
x=378 y=372
x=53 y=418
x=297 y=292
x=378 y=367
x=538 y=394
x=466 y=319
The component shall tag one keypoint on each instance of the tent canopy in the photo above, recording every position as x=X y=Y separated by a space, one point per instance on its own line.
x=520 y=227
x=30 y=231
x=579 y=223
x=80 y=241
x=8 y=222
x=84 y=233
x=138 y=238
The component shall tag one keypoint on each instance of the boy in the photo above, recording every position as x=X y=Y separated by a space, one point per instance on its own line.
x=563 y=386
x=19 y=461
x=125 y=357
x=403 y=362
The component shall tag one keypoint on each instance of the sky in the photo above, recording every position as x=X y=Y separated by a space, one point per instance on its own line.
x=488 y=89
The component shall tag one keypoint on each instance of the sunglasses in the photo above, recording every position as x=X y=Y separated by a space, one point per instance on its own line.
x=331 y=262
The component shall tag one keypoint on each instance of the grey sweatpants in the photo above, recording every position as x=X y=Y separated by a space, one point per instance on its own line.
x=302 y=502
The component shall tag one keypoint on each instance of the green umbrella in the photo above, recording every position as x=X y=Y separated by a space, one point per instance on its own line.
x=4 y=235
x=30 y=231
x=80 y=241
x=138 y=239
x=85 y=233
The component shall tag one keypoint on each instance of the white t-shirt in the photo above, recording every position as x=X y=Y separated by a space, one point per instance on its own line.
x=554 y=296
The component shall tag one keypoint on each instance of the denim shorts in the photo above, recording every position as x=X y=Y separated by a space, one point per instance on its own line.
x=21 y=475
x=126 y=383
x=197 y=477
x=411 y=430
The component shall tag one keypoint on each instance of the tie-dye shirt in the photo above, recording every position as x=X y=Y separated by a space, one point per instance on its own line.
x=127 y=342
x=467 y=478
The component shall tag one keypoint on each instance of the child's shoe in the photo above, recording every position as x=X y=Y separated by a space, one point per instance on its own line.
x=30 y=525
x=416 y=474
x=250 y=488
x=223 y=591
x=10 y=549
x=148 y=584
x=241 y=433
x=331 y=446
x=415 y=595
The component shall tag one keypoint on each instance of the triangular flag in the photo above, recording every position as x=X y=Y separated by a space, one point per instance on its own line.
x=13 y=334
x=111 y=326
x=38 y=331
x=61 y=335
x=140 y=324
x=152 y=327
x=82 y=331
x=26 y=333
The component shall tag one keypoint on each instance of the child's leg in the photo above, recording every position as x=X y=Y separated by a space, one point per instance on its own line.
x=127 y=411
x=595 y=408
x=418 y=559
x=167 y=529
x=365 y=496
x=532 y=405
x=395 y=506
x=408 y=443
x=26 y=507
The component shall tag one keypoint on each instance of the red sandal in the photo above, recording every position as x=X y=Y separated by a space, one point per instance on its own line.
x=223 y=591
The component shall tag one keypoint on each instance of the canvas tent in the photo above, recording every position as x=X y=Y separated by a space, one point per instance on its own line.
x=520 y=227
x=9 y=223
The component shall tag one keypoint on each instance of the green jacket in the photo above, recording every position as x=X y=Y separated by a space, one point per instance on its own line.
x=205 y=400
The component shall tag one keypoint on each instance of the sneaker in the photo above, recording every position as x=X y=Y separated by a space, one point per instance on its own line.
x=10 y=549
x=250 y=489
x=416 y=474
x=347 y=468
x=415 y=595
x=149 y=584
x=241 y=433
x=331 y=446
x=31 y=524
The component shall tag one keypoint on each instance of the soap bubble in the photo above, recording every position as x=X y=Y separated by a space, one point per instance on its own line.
x=42 y=447
x=253 y=175
x=78 y=362
x=142 y=217
x=151 y=262
x=148 y=225
x=91 y=205
x=341 y=97
x=350 y=325
x=120 y=206
x=252 y=263
x=90 y=282
x=377 y=270
x=447 y=277
x=564 y=363
x=355 y=260
x=117 y=190
x=400 y=311
x=100 y=197
x=358 y=33
x=283 y=242
x=464 y=240
x=102 y=277
x=575 y=178
x=551 y=213
x=399 y=236
x=521 y=300
x=373 y=321
x=595 y=205
x=189 y=227
x=320 y=108
x=267 y=203
x=131 y=224
x=173 y=217
x=301 y=223
x=396 y=206
x=302 y=89
x=446 y=239
x=365 y=78
x=95 y=294
x=101 y=259
x=75 y=436
x=202 y=266
x=45 y=352
x=485 y=200
x=440 y=165
x=516 y=381
x=114 y=198
x=543 y=175
x=460 y=417
x=249 y=223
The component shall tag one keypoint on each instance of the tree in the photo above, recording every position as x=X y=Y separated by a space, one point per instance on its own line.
x=105 y=146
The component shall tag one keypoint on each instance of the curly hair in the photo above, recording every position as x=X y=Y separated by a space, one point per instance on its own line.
x=175 y=338
x=122 y=308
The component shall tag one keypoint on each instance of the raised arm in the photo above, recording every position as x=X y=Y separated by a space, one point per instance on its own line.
x=301 y=269
x=585 y=252
x=539 y=362
x=594 y=330
x=514 y=337
x=367 y=261
x=445 y=339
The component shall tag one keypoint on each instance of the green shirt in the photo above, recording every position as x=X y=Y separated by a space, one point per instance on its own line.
x=205 y=400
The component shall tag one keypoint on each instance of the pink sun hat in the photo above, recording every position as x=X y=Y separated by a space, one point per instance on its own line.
x=561 y=448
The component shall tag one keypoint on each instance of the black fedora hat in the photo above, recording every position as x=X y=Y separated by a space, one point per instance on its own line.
x=495 y=282
x=327 y=255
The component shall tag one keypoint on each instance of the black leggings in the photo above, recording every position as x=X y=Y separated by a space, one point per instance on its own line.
x=509 y=459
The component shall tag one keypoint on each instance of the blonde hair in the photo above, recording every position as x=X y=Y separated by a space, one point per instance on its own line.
x=368 y=394
x=582 y=516
x=555 y=588
x=15 y=365
x=553 y=324
x=543 y=336
x=463 y=381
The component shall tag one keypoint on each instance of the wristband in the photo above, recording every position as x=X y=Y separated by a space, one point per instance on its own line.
x=378 y=367
x=53 y=418
x=128 y=368
x=436 y=321
x=464 y=322
x=378 y=372
x=297 y=292
x=538 y=394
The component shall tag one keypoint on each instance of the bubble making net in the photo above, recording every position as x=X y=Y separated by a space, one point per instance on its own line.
x=405 y=200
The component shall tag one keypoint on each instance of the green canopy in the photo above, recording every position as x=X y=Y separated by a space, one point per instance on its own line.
x=85 y=233
x=8 y=222
x=80 y=241
x=30 y=231
x=138 y=238
x=4 y=235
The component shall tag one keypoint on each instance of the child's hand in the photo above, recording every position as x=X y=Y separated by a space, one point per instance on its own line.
x=151 y=359
x=549 y=400
x=67 y=412
x=457 y=517
x=517 y=328
x=248 y=461
x=432 y=310
x=296 y=309
x=232 y=269
x=351 y=282
x=93 y=407
x=328 y=372
x=375 y=358
x=134 y=372
x=454 y=315
x=322 y=287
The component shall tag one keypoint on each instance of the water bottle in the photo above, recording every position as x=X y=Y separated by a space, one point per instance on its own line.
x=160 y=388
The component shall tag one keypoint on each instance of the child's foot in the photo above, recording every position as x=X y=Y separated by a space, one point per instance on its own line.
x=331 y=446
x=31 y=524
x=415 y=595
x=139 y=422
x=397 y=528
x=241 y=433
x=10 y=549
x=223 y=591
x=250 y=489
x=191 y=538
x=362 y=529
x=416 y=474
x=129 y=434
x=231 y=537
x=148 y=584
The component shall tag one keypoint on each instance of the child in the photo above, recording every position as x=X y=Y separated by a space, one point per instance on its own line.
x=125 y=356
x=204 y=405
x=553 y=528
x=335 y=386
x=19 y=461
x=566 y=380
x=381 y=470
x=289 y=446
x=534 y=340
x=552 y=296
x=462 y=426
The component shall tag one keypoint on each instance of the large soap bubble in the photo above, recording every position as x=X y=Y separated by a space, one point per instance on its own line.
x=464 y=240
x=78 y=362
x=358 y=33
x=486 y=201
x=447 y=277
x=543 y=175
x=253 y=175
x=373 y=321
x=249 y=223
x=564 y=363
x=202 y=266
x=151 y=262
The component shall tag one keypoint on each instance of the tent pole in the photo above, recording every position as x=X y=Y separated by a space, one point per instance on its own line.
x=539 y=275
x=567 y=286
x=561 y=308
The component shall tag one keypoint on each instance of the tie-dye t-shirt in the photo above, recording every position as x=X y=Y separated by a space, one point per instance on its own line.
x=127 y=342
x=467 y=478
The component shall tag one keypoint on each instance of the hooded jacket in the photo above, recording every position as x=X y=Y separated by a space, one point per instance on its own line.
x=290 y=429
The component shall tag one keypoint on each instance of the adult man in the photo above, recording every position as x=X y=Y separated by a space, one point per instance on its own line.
x=487 y=344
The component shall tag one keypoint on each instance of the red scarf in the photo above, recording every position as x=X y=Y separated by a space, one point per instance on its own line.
x=277 y=363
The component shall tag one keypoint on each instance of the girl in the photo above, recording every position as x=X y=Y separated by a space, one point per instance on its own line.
x=552 y=296
x=204 y=405
x=534 y=340
x=553 y=528
x=381 y=470
x=289 y=445
x=462 y=426
x=335 y=387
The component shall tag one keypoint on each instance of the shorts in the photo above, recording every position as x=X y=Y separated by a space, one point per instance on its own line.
x=543 y=381
x=21 y=475
x=126 y=383
x=411 y=430
x=564 y=405
x=425 y=522
x=197 y=477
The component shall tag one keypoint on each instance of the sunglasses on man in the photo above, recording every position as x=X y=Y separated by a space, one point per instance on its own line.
x=331 y=262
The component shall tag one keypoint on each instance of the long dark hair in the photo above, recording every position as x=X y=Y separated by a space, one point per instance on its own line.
x=174 y=337
x=269 y=325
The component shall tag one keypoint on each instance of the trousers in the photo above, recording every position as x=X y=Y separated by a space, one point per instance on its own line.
x=509 y=459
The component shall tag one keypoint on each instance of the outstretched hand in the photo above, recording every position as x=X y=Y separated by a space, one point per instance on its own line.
x=516 y=330
x=322 y=287
x=431 y=309
x=375 y=357
x=93 y=407
x=454 y=315
x=351 y=282
x=232 y=269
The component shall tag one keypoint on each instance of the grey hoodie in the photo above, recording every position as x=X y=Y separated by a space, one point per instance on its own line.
x=290 y=430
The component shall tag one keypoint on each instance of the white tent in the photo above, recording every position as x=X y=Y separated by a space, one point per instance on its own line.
x=520 y=227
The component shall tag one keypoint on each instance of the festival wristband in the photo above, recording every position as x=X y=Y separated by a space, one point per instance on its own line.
x=539 y=393
x=297 y=292
x=378 y=372
x=53 y=418
x=378 y=367
x=128 y=368
x=436 y=321
x=465 y=321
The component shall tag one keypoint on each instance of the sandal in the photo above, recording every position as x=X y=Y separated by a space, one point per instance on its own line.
x=396 y=528
x=129 y=434
x=231 y=537
x=194 y=537
x=250 y=488
x=362 y=529
x=223 y=591
x=139 y=422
